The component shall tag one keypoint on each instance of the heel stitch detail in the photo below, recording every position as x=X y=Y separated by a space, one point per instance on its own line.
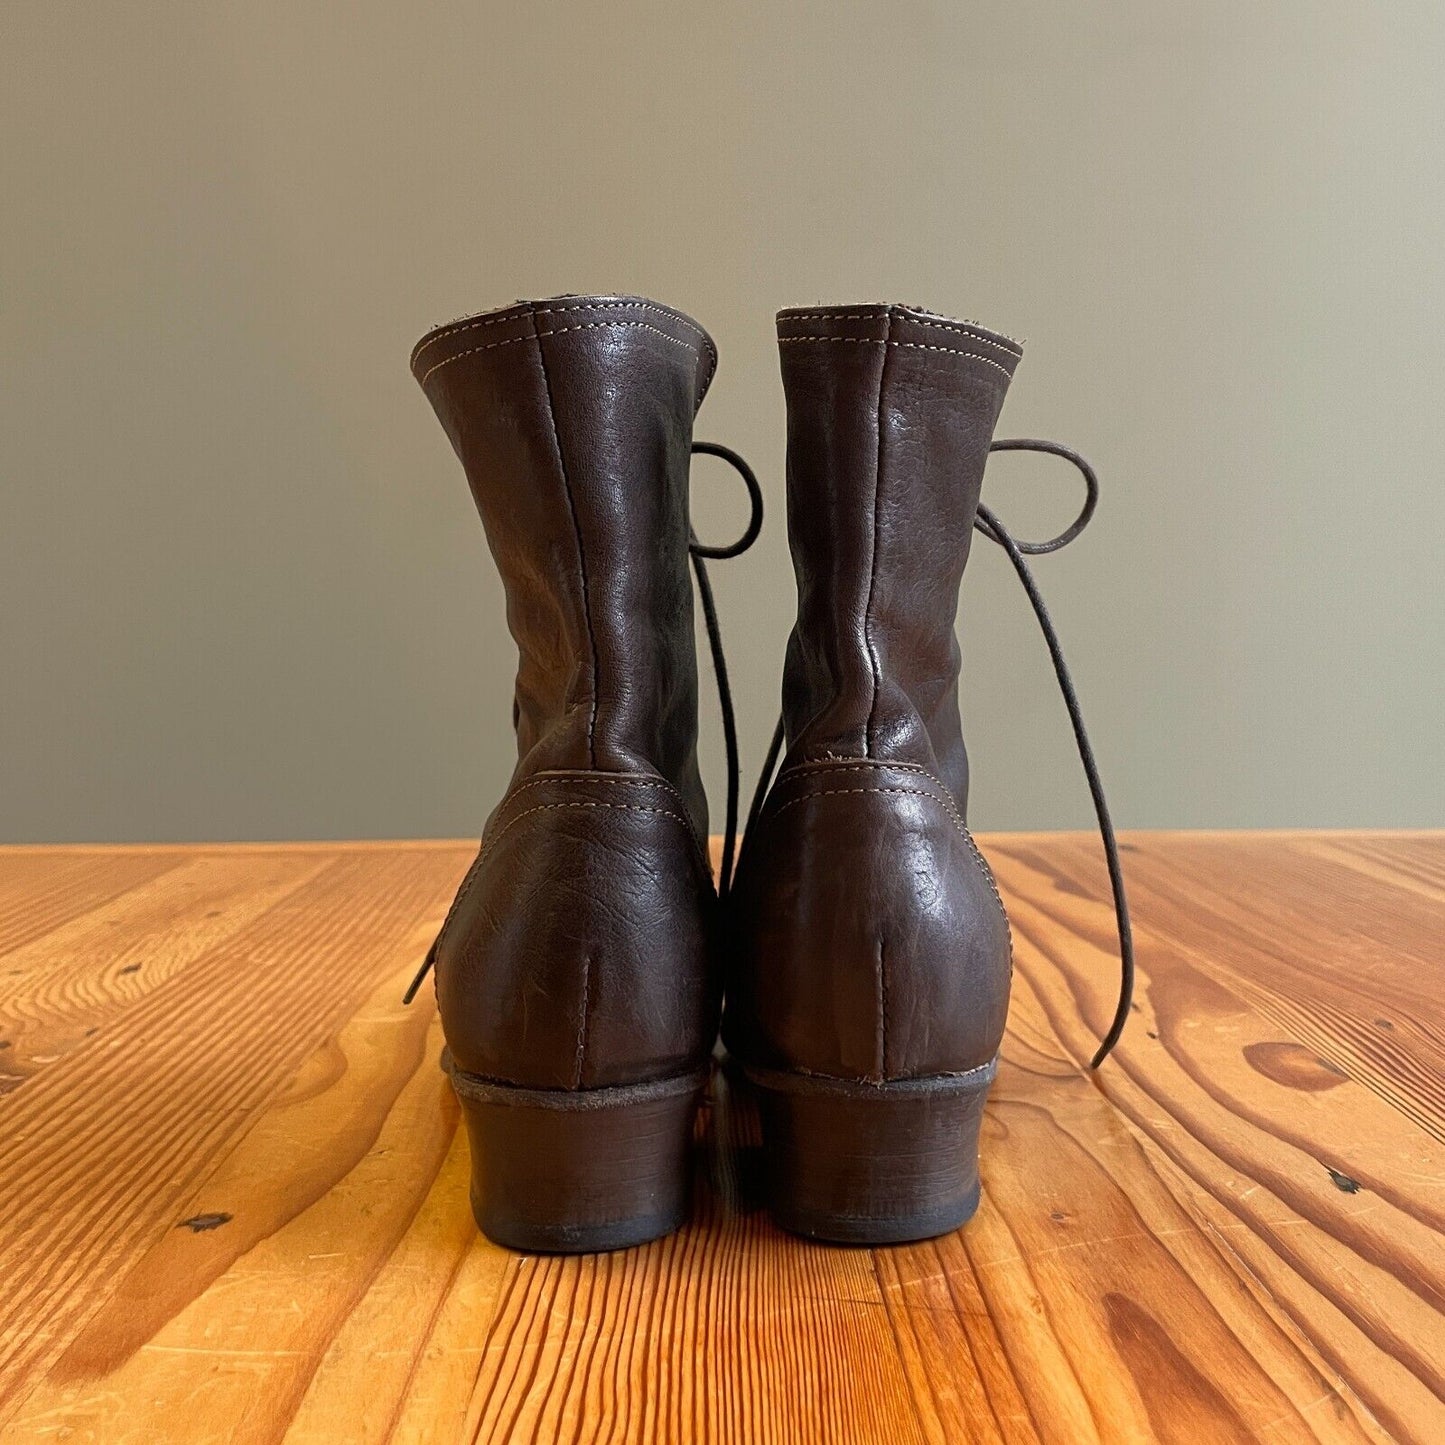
x=495 y=1091
x=802 y=1081
x=489 y=841
x=942 y=796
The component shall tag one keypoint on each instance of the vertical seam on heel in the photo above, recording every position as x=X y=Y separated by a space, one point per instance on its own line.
x=873 y=659
x=582 y=1021
x=577 y=533
x=881 y=1038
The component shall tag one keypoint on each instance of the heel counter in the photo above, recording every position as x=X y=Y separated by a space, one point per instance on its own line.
x=868 y=938
x=578 y=952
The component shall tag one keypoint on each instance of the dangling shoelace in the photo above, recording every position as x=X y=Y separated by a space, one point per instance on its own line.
x=699 y=554
x=990 y=526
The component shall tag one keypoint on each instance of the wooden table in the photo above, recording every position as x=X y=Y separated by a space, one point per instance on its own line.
x=233 y=1189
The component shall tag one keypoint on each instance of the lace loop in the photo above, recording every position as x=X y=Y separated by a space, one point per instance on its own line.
x=990 y=526
x=994 y=530
x=755 y=502
x=1091 y=494
x=700 y=554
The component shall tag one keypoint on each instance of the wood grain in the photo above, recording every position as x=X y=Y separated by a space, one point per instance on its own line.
x=233 y=1186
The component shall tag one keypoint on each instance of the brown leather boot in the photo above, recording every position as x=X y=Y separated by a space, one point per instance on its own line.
x=870 y=969
x=574 y=972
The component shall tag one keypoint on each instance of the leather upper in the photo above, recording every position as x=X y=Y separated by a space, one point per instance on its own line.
x=577 y=952
x=890 y=413
x=868 y=940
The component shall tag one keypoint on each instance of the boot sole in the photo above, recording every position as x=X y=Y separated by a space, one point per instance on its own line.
x=857 y=1163
x=557 y=1171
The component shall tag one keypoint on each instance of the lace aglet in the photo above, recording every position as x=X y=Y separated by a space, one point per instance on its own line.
x=421 y=974
x=1121 y=1017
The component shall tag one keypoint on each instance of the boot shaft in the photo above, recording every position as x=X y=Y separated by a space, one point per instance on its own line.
x=869 y=942
x=890 y=415
x=573 y=420
x=575 y=960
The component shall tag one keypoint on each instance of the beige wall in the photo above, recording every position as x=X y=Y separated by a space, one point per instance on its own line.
x=244 y=591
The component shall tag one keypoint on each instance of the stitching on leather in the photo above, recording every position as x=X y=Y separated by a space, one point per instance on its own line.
x=973 y=333
x=910 y=345
x=662 y=311
x=823 y=765
x=837 y=792
x=582 y=1021
x=711 y=372
x=874 y=315
x=513 y=315
x=489 y=843
x=873 y=659
x=577 y=532
x=992 y=888
x=881 y=1042
x=613 y=780
x=463 y=888
x=971 y=329
x=429 y=341
x=945 y=800
x=560 y=331
x=613 y=807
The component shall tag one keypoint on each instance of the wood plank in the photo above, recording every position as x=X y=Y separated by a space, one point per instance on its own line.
x=40 y=890
x=99 y=1149
x=64 y=984
x=1232 y=1232
x=1251 y=1115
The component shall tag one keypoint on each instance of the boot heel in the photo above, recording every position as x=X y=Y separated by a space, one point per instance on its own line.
x=559 y=1171
x=857 y=1163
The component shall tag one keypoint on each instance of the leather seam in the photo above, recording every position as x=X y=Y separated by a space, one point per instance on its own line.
x=910 y=345
x=490 y=842
x=488 y=1088
x=775 y=1078
x=562 y=331
x=877 y=315
x=707 y=380
x=838 y=792
x=882 y=1040
x=825 y=765
x=970 y=333
x=949 y=807
x=576 y=531
x=495 y=838
x=512 y=315
x=973 y=330
x=582 y=1021
x=463 y=889
x=992 y=888
x=599 y=777
x=874 y=661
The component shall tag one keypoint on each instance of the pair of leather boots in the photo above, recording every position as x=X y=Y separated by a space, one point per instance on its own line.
x=859 y=960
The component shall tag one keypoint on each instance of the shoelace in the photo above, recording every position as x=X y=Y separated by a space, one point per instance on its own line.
x=699 y=553
x=990 y=526
x=700 y=556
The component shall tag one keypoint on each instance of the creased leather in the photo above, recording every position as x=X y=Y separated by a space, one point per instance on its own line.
x=577 y=952
x=868 y=940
